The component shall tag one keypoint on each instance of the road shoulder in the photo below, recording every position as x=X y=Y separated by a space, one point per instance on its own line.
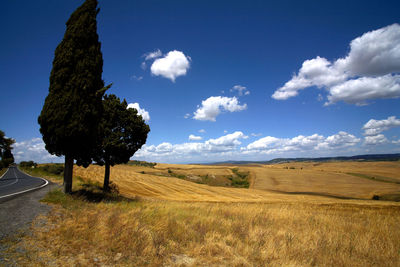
x=17 y=214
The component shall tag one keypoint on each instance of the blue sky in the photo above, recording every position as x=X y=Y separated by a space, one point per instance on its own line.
x=222 y=80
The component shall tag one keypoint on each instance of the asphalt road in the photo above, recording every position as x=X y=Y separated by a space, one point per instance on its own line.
x=15 y=181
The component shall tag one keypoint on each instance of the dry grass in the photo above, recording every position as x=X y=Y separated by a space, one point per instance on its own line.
x=169 y=233
x=326 y=179
x=173 y=222
x=329 y=178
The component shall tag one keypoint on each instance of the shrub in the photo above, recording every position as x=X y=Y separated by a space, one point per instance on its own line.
x=27 y=164
x=57 y=168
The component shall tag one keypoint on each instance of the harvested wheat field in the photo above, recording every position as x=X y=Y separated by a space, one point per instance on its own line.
x=337 y=179
x=170 y=220
x=351 y=180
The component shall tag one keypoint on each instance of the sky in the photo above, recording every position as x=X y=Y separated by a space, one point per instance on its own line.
x=221 y=80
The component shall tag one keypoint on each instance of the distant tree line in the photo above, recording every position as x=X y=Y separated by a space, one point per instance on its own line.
x=78 y=120
x=6 y=155
x=28 y=164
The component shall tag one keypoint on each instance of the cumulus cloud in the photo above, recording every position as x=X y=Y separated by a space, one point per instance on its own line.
x=171 y=66
x=229 y=140
x=195 y=138
x=339 y=140
x=301 y=143
x=374 y=53
x=367 y=72
x=212 y=147
x=141 y=111
x=314 y=72
x=35 y=150
x=358 y=91
x=214 y=105
x=241 y=90
x=375 y=140
x=375 y=127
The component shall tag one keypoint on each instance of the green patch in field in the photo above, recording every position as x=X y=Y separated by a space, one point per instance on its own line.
x=141 y=163
x=239 y=179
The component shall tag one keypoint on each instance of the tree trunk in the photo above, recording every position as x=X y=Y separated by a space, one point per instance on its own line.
x=106 y=177
x=68 y=169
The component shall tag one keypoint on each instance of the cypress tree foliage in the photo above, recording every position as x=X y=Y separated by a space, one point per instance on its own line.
x=124 y=132
x=70 y=116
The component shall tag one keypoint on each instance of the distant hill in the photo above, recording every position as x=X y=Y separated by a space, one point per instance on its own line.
x=371 y=157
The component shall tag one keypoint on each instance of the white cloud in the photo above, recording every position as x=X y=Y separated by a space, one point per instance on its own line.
x=367 y=72
x=213 y=147
x=358 y=91
x=374 y=53
x=314 y=72
x=195 y=138
x=202 y=131
x=242 y=90
x=375 y=140
x=187 y=115
x=263 y=143
x=256 y=134
x=339 y=140
x=375 y=127
x=228 y=140
x=214 y=105
x=141 y=111
x=35 y=150
x=152 y=55
x=315 y=142
x=171 y=66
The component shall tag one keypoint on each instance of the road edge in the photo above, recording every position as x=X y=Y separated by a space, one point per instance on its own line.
x=27 y=190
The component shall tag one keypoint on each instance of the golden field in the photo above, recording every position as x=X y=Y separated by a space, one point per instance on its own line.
x=174 y=222
x=299 y=179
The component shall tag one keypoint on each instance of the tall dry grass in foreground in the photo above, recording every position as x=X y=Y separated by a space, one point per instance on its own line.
x=167 y=233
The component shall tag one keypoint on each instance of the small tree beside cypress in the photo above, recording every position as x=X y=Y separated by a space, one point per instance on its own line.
x=71 y=112
x=123 y=133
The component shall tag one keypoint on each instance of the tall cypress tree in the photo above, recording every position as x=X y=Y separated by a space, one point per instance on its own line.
x=70 y=116
x=123 y=133
x=5 y=150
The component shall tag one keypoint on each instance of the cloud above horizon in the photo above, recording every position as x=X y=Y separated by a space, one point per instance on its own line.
x=214 y=105
x=315 y=142
x=373 y=130
x=33 y=149
x=369 y=71
x=230 y=146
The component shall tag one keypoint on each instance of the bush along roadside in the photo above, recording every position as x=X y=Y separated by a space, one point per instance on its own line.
x=53 y=171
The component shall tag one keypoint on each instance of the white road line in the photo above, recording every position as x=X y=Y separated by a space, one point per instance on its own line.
x=5 y=173
x=13 y=194
x=16 y=181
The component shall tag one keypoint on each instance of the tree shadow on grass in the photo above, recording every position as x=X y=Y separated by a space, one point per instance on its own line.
x=93 y=192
